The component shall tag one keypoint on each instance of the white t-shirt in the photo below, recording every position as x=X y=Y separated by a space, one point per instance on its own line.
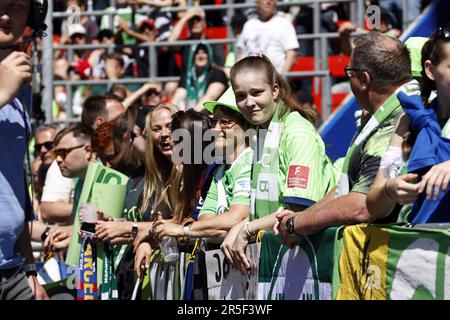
x=56 y=186
x=273 y=38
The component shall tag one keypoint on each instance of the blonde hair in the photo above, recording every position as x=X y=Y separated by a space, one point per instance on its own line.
x=157 y=167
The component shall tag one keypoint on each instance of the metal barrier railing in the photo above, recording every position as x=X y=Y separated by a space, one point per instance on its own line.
x=357 y=13
x=320 y=52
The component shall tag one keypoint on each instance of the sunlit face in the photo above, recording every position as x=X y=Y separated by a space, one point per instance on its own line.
x=255 y=97
x=161 y=131
x=75 y=161
x=13 y=19
x=229 y=133
x=440 y=73
x=357 y=85
x=43 y=140
x=265 y=8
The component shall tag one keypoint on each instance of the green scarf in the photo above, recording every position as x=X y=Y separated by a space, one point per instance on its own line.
x=383 y=112
x=196 y=84
x=265 y=193
x=109 y=283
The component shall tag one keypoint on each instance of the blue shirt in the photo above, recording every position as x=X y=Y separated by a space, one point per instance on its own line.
x=13 y=191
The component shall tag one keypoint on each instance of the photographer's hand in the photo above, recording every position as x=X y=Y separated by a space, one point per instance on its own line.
x=15 y=70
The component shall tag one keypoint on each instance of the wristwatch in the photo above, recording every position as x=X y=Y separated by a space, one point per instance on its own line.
x=45 y=234
x=134 y=230
x=290 y=226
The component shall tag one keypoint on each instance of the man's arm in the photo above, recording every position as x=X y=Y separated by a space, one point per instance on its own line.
x=56 y=212
x=23 y=246
x=344 y=210
x=178 y=28
x=289 y=60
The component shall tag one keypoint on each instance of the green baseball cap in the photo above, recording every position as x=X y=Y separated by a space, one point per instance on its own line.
x=415 y=45
x=227 y=99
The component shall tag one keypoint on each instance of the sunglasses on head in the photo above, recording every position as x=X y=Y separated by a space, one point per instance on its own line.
x=444 y=32
x=134 y=135
x=38 y=147
x=107 y=158
x=63 y=152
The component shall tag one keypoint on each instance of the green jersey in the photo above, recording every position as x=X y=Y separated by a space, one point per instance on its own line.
x=230 y=185
x=305 y=173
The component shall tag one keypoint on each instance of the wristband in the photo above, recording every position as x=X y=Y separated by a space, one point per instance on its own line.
x=187 y=231
x=29 y=269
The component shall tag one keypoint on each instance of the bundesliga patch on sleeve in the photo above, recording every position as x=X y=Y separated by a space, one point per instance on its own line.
x=298 y=177
x=242 y=187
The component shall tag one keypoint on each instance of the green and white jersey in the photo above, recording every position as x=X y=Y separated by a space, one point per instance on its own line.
x=305 y=173
x=230 y=185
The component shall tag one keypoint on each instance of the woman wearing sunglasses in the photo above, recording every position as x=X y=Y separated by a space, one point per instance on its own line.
x=228 y=197
x=422 y=139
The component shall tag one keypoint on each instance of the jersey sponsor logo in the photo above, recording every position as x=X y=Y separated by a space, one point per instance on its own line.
x=298 y=177
x=242 y=187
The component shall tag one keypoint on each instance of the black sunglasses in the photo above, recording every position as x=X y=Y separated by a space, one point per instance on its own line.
x=38 y=147
x=349 y=70
x=223 y=124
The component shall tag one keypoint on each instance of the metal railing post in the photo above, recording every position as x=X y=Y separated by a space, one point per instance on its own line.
x=406 y=17
x=47 y=70
x=153 y=60
x=316 y=30
x=69 y=109
x=360 y=14
x=326 y=81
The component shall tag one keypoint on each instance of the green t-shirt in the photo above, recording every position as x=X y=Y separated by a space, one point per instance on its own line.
x=235 y=179
x=305 y=173
x=366 y=159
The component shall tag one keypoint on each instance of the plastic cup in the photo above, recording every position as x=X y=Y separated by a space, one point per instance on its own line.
x=169 y=249
x=88 y=212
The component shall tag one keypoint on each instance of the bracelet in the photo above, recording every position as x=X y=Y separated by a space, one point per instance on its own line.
x=187 y=231
x=387 y=191
x=246 y=229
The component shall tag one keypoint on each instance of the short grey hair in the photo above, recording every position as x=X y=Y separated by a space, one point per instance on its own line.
x=385 y=58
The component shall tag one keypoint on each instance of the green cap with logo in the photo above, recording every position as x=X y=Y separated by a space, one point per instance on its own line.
x=227 y=99
x=415 y=45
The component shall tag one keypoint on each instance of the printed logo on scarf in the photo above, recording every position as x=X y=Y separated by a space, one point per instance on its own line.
x=298 y=177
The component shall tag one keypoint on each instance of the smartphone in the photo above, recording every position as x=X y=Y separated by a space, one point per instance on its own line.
x=88 y=227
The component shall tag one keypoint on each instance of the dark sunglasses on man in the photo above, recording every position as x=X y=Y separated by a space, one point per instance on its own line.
x=38 y=147
x=64 y=152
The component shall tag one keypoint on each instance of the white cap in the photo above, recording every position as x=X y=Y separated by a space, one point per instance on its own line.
x=76 y=28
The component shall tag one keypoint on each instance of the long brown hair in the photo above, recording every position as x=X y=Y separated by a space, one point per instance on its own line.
x=261 y=63
x=432 y=50
x=157 y=168
x=191 y=173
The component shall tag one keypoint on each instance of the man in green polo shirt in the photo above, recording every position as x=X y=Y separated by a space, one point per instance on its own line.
x=379 y=67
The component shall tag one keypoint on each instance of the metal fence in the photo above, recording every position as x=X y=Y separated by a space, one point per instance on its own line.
x=321 y=69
